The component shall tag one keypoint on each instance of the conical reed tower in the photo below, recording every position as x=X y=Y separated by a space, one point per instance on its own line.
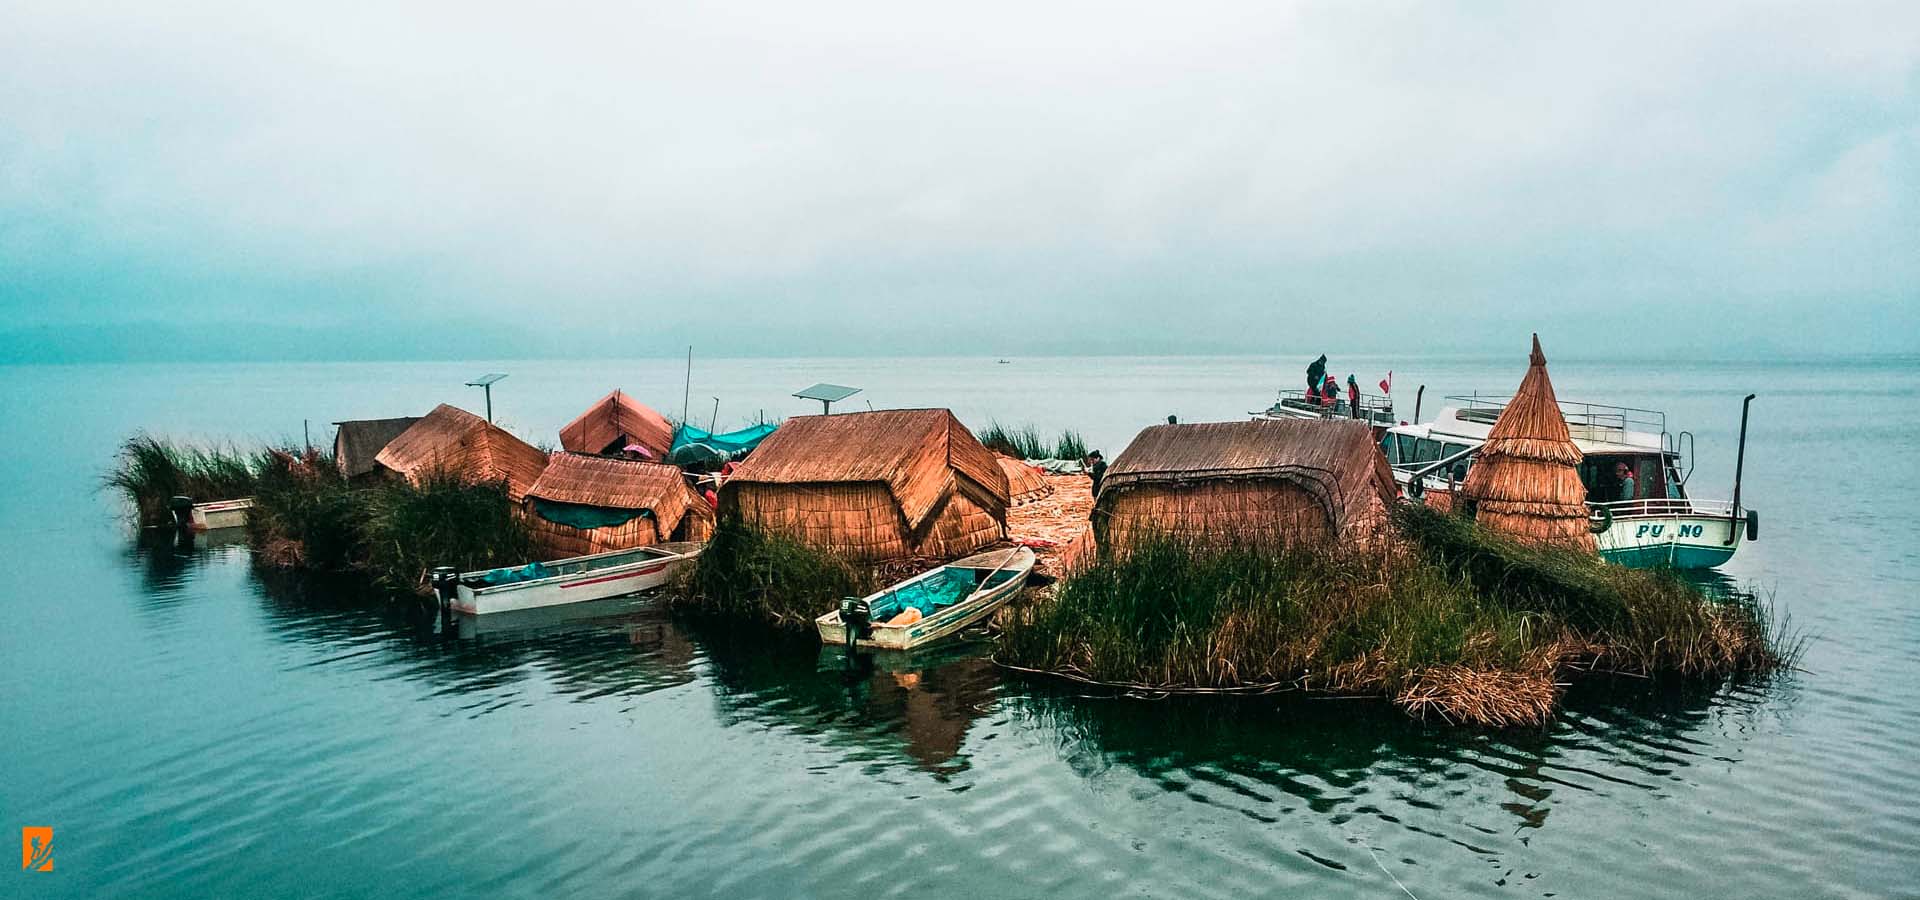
x=1526 y=481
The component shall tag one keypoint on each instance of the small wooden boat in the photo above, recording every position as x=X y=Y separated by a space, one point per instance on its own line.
x=930 y=606
x=219 y=514
x=574 y=580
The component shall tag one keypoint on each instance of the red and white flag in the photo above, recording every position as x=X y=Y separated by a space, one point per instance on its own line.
x=1386 y=384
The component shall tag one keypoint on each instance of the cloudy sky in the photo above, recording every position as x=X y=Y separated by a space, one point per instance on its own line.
x=798 y=178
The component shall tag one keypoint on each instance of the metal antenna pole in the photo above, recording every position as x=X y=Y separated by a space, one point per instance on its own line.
x=686 y=399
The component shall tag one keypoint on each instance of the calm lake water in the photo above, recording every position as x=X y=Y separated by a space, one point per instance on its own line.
x=192 y=728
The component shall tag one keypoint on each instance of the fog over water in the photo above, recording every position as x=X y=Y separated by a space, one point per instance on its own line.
x=452 y=180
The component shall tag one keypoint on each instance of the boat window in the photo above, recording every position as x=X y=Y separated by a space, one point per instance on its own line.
x=1601 y=476
x=1390 y=445
x=1426 y=450
x=1452 y=449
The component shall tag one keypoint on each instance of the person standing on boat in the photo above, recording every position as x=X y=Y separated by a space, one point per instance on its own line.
x=1316 y=373
x=1353 y=396
x=1329 y=391
x=1624 y=472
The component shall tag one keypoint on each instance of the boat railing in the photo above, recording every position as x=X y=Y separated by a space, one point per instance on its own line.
x=1677 y=506
x=1598 y=421
x=1375 y=408
x=1419 y=475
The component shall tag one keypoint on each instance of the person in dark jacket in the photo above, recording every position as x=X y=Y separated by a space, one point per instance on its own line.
x=1096 y=466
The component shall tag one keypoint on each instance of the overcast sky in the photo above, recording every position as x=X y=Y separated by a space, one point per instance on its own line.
x=799 y=178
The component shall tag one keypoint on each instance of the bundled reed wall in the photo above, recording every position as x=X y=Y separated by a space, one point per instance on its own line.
x=862 y=521
x=1267 y=509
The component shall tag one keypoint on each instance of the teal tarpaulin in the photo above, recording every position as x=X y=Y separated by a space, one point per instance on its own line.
x=697 y=445
x=578 y=516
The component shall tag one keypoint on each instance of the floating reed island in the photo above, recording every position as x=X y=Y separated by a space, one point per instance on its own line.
x=1243 y=557
x=1265 y=556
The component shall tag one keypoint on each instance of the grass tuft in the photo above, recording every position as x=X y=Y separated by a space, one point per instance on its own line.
x=149 y=472
x=1025 y=442
x=306 y=516
x=748 y=574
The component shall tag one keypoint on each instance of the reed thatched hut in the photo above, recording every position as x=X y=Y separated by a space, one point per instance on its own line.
x=454 y=440
x=874 y=485
x=1025 y=484
x=613 y=422
x=358 y=442
x=592 y=504
x=1282 y=480
x=1526 y=481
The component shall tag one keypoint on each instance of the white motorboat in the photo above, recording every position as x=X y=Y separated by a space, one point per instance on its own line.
x=1660 y=525
x=574 y=580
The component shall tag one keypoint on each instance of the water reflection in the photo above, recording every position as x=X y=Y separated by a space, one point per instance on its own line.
x=920 y=704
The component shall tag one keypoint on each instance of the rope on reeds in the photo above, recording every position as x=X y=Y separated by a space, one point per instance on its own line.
x=1155 y=691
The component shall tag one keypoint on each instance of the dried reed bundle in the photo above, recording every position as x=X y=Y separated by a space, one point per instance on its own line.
x=1525 y=482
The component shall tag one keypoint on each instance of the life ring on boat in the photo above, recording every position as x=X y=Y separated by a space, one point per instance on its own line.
x=1600 y=525
x=1415 y=487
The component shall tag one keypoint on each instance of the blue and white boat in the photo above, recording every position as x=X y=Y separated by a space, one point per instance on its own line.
x=1660 y=525
x=931 y=606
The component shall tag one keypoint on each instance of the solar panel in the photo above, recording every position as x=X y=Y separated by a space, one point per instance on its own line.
x=828 y=393
x=485 y=380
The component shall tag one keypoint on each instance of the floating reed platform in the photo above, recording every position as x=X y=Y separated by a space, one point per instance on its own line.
x=1444 y=619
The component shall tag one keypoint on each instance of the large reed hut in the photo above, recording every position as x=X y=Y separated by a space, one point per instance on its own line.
x=592 y=504
x=874 y=485
x=1526 y=479
x=1282 y=480
x=1024 y=482
x=452 y=439
x=615 y=421
x=358 y=442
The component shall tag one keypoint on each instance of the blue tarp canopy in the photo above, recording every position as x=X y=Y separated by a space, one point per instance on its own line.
x=692 y=445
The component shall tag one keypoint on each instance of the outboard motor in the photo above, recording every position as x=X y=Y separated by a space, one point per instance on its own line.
x=446 y=583
x=182 y=509
x=857 y=618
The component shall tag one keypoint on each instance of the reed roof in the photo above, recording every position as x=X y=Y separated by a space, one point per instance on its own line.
x=611 y=483
x=614 y=421
x=921 y=455
x=357 y=442
x=1024 y=482
x=1335 y=461
x=456 y=440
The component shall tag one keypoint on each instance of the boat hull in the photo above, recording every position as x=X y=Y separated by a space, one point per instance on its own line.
x=598 y=584
x=1674 y=541
x=937 y=627
x=220 y=514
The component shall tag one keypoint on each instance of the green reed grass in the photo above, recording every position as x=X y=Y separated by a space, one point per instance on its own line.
x=149 y=472
x=752 y=575
x=1025 y=442
x=306 y=516
x=1070 y=445
x=1441 y=617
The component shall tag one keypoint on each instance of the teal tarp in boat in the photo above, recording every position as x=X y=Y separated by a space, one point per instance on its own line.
x=583 y=517
x=529 y=572
x=693 y=445
x=945 y=589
